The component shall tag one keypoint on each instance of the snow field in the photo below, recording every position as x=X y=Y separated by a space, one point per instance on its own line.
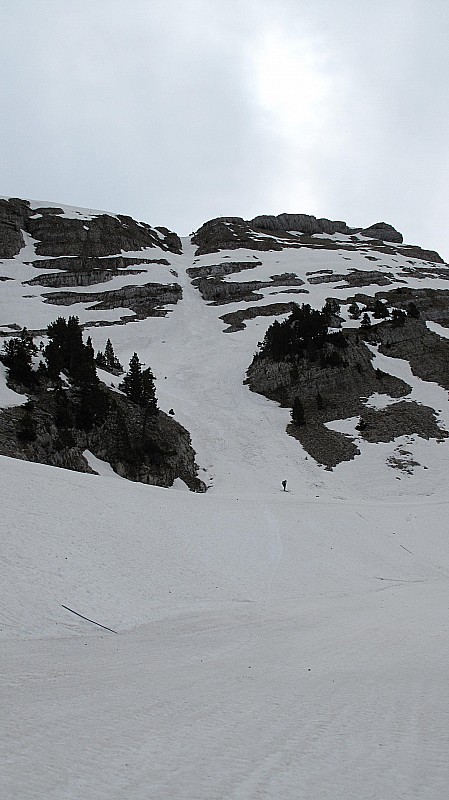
x=269 y=644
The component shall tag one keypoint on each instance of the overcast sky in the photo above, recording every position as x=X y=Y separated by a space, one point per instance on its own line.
x=177 y=111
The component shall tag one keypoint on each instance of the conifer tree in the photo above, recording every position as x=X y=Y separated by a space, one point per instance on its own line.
x=298 y=416
x=67 y=352
x=354 y=311
x=112 y=362
x=17 y=355
x=108 y=359
x=139 y=386
x=366 y=322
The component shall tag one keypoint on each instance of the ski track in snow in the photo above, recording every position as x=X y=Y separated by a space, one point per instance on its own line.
x=270 y=644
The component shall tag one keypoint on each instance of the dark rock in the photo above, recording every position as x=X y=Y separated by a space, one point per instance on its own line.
x=230 y=233
x=432 y=304
x=401 y=419
x=219 y=270
x=57 y=235
x=427 y=353
x=327 y=392
x=356 y=277
x=152 y=449
x=236 y=319
x=305 y=223
x=13 y=213
x=145 y=301
x=103 y=235
x=382 y=231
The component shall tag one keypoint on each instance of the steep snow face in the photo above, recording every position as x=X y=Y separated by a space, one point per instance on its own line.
x=269 y=643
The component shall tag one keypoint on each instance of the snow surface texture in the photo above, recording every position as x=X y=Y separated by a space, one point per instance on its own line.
x=269 y=644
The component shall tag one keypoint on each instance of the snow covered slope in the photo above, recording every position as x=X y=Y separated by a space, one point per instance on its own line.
x=267 y=644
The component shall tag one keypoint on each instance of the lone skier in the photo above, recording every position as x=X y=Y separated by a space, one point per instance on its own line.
x=284 y=485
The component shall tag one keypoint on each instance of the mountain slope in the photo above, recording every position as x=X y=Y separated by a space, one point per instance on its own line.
x=269 y=643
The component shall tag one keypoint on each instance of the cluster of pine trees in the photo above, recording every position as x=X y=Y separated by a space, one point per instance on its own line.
x=67 y=355
x=303 y=332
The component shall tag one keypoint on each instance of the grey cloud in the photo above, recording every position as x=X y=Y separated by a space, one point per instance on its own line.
x=150 y=109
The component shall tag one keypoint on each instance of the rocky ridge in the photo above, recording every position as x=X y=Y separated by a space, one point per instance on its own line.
x=149 y=449
x=64 y=251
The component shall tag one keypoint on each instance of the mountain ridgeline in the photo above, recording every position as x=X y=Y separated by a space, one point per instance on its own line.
x=334 y=300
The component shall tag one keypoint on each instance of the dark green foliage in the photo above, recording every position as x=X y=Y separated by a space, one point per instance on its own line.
x=91 y=407
x=304 y=331
x=298 y=412
x=26 y=431
x=108 y=360
x=331 y=307
x=413 y=310
x=380 y=310
x=53 y=357
x=319 y=401
x=64 y=412
x=398 y=317
x=138 y=385
x=67 y=353
x=333 y=359
x=17 y=355
x=338 y=339
x=354 y=311
x=100 y=360
x=366 y=322
x=65 y=440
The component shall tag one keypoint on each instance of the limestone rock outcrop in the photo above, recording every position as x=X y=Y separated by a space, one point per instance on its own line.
x=88 y=236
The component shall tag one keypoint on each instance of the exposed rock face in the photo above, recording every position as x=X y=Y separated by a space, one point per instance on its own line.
x=59 y=235
x=414 y=342
x=12 y=221
x=340 y=386
x=299 y=222
x=432 y=304
x=355 y=277
x=145 y=301
x=68 y=280
x=382 y=231
x=267 y=232
x=236 y=319
x=401 y=419
x=329 y=393
x=208 y=280
x=144 y=448
x=219 y=270
x=275 y=233
x=230 y=233
x=310 y=225
x=219 y=292
x=74 y=264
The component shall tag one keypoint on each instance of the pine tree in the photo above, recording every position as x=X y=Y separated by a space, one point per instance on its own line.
x=17 y=355
x=139 y=386
x=27 y=429
x=298 y=416
x=112 y=362
x=366 y=322
x=354 y=311
x=67 y=352
x=100 y=360
x=132 y=384
x=149 y=391
x=108 y=360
